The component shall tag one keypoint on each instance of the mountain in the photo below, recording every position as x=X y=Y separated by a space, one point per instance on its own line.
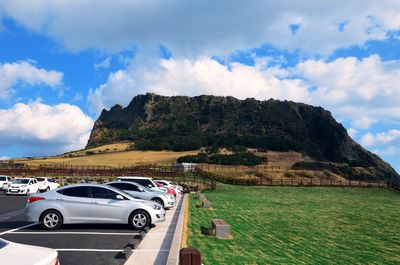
x=155 y=122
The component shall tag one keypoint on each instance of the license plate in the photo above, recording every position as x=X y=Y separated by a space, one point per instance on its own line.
x=14 y=190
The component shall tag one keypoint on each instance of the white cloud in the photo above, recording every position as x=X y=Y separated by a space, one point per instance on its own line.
x=44 y=128
x=207 y=27
x=25 y=73
x=4 y=158
x=388 y=137
x=352 y=132
x=103 y=64
x=360 y=91
x=194 y=77
x=363 y=91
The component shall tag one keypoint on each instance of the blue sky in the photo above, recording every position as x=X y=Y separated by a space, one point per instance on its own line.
x=62 y=62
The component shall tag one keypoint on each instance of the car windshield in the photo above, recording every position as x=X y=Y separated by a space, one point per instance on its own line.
x=21 y=181
x=3 y=243
x=122 y=192
x=143 y=187
x=40 y=179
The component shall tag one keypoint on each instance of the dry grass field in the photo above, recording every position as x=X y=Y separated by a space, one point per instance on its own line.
x=114 y=159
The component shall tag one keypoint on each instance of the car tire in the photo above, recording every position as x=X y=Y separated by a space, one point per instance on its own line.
x=159 y=201
x=51 y=220
x=48 y=188
x=28 y=193
x=139 y=219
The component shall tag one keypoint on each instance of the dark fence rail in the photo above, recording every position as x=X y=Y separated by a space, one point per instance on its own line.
x=297 y=181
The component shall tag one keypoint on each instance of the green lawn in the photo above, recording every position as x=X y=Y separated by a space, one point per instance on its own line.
x=293 y=225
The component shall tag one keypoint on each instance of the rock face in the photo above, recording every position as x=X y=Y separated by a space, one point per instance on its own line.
x=156 y=122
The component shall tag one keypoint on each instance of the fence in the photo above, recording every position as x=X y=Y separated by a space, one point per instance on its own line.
x=297 y=181
x=72 y=174
x=239 y=168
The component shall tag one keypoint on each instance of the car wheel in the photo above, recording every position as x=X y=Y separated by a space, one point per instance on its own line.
x=28 y=193
x=51 y=220
x=48 y=188
x=139 y=219
x=159 y=201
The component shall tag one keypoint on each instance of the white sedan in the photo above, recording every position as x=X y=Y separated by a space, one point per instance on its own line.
x=46 y=184
x=5 y=181
x=169 y=184
x=23 y=186
x=19 y=254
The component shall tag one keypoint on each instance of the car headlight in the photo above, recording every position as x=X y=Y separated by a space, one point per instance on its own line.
x=154 y=206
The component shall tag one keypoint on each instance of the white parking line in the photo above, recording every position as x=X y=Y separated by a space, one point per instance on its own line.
x=16 y=229
x=90 y=249
x=76 y=233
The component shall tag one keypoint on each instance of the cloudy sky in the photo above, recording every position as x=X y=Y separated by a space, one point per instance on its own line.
x=63 y=61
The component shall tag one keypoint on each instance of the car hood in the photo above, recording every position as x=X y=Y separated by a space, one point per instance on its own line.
x=17 y=185
x=19 y=254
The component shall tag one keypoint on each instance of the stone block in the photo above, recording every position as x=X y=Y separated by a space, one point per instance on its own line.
x=220 y=228
x=205 y=204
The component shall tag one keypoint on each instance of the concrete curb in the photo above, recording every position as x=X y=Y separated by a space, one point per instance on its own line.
x=173 y=256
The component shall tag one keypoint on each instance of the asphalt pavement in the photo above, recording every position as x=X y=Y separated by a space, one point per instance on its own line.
x=76 y=244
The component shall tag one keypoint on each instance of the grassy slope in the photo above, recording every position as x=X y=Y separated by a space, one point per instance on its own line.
x=278 y=225
x=113 y=159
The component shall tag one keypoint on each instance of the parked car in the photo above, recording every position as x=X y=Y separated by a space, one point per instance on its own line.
x=168 y=190
x=169 y=184
x=23 y=186
x=141 y=192
x=19 y=254
x=46 y=184
x=144 y=181
x=91 y=203
x=4 y=181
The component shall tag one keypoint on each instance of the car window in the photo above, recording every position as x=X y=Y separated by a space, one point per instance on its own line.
x=103 y=193
x=125 y=186
x=144 y=182
x=21 y=181
x=82 y=192
x=3 y=243
x=3 y=178
x=40 y=179
x=132 y=187
x=120 y=186
x=51 y=180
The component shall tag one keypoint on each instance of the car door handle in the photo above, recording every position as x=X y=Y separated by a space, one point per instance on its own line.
x=93 y=202
x=59 y=200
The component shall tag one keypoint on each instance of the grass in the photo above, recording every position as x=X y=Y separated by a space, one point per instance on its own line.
x=115 y=159
x=285 y=225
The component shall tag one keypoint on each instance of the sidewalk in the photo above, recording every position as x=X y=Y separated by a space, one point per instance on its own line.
x=154 y=248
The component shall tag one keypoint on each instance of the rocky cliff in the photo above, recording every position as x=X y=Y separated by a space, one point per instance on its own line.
x=155 y=122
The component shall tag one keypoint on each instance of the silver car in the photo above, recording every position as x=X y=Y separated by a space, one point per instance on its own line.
x=141 y=192
x=91 y=203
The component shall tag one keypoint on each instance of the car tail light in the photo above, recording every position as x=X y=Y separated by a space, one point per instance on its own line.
x=57 y=262
x=33 y=199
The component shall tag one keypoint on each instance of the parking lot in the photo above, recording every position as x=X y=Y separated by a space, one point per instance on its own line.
x=76 y=244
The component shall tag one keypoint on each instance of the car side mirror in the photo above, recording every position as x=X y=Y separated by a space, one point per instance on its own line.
x=119 y=197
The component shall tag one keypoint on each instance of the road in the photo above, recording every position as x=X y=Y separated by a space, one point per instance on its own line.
x=76 y=244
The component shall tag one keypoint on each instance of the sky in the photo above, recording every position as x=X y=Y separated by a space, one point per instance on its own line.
x=63 y=61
